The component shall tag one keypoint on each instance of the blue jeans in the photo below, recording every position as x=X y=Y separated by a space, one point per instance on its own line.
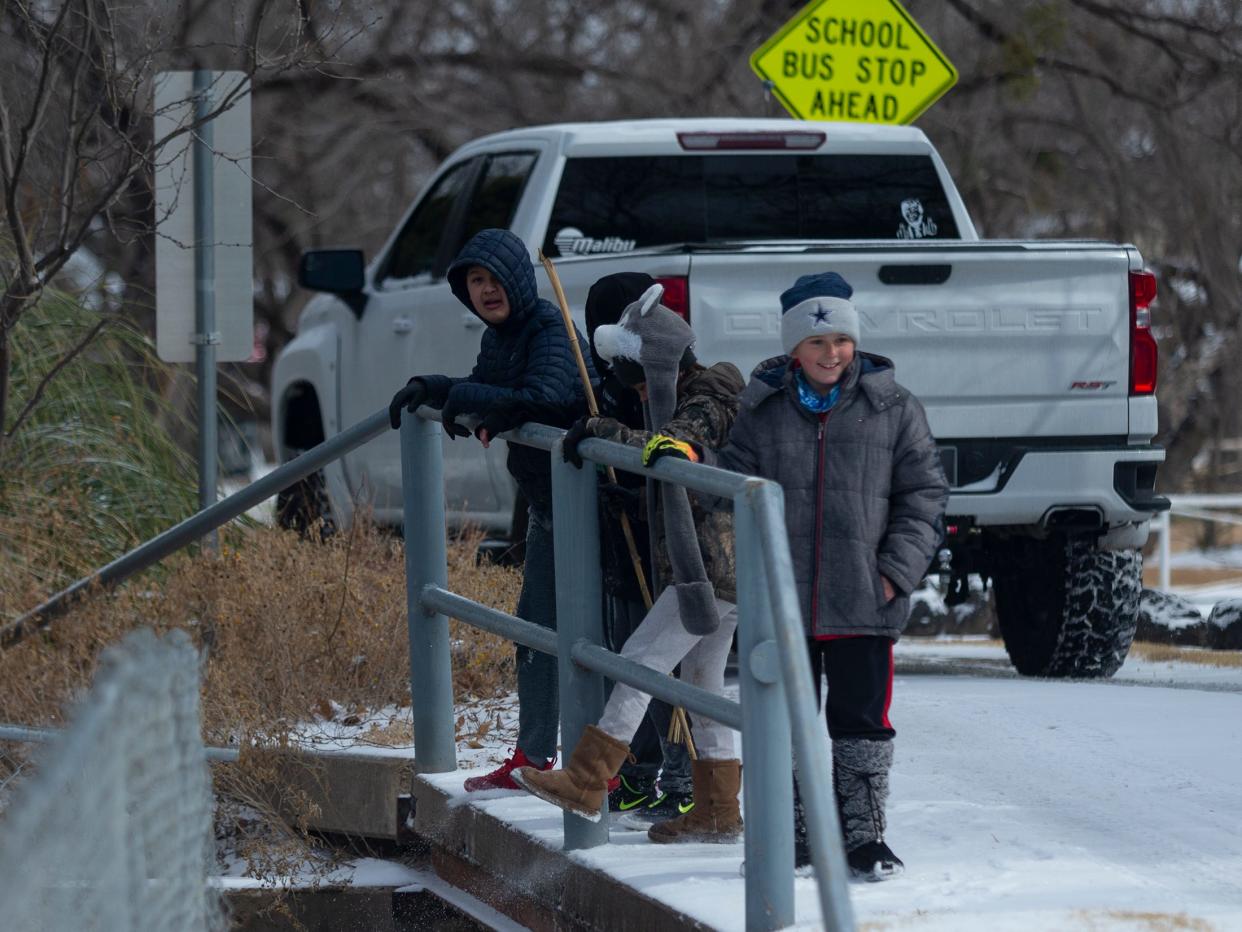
x=538 y=696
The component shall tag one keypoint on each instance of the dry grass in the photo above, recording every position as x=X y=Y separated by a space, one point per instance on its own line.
x=1158 y=653
x=1084 y=920
x=293 y=633
x=292 y=630
x=1148 y=921
x=1192 y=576
x=1143 y=650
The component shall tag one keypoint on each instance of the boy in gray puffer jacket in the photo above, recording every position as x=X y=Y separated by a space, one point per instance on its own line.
x=864 y=503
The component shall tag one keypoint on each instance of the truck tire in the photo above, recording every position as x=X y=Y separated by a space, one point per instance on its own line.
x=304 y=503
x=1067 y=609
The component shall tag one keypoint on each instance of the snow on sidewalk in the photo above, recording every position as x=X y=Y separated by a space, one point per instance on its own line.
x=1017 y=804
x=983 y=656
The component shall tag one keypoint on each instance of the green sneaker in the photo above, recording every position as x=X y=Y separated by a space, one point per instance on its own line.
x=629 y=795
x=663 y=807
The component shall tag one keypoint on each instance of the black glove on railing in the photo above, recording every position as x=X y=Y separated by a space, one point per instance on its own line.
x=413 y=394
x=503 y=417
x=448 y=420
x=577 y=432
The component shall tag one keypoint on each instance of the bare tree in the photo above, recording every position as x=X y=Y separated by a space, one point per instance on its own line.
x=76 y=141
x=1115 y=120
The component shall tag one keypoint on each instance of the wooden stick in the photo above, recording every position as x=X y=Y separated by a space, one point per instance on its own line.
x=593 y=407
x=679 y=727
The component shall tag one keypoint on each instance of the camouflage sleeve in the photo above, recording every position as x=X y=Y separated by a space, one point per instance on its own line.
x=609 y=428
x=704 y=420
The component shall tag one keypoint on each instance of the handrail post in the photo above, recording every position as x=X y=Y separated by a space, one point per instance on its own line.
x=1164 y=525
x=768 y=788
x=426 y=563
x=579 y=598
x=767 y=507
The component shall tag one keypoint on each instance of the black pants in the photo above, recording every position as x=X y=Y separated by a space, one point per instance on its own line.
x=860 y=685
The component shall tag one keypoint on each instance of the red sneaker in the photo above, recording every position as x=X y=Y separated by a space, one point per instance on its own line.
x=499 y=778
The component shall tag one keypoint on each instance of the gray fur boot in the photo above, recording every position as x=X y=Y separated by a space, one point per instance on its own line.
x=860 y=782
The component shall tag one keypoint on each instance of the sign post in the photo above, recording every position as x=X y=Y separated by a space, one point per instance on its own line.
x=205 y=337
x=862 y=61
x=204 y=293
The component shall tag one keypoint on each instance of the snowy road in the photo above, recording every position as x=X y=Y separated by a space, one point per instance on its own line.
x=1022 y=804
x=1017 y=805
x=1039 y=805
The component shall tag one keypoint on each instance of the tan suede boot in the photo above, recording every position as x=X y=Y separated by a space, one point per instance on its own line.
x=582 y=786
x=716 y=817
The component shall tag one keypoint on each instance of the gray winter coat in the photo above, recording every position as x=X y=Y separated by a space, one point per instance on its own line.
x=864 y=490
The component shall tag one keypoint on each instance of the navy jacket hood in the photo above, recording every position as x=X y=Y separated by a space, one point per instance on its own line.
x=504 y=255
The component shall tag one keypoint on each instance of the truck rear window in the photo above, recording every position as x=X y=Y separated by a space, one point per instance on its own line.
x=619 y=204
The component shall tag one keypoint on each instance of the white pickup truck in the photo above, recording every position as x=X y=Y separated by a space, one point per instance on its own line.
x=1034 y=360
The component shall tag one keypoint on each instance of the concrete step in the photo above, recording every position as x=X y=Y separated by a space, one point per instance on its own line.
x=540 y=886
x=536 y=884
x=346 y=909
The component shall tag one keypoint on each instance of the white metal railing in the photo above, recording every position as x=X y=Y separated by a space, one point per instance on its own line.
x=1202 y=507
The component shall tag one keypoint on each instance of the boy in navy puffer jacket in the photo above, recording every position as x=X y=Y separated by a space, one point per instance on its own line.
x=525 y=357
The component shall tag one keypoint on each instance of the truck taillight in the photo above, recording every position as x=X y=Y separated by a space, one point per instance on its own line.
x=676 y=295
x=1144 y=355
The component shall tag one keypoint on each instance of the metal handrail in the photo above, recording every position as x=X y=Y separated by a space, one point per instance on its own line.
x=24 y=733
x=585 y=654
x=197 y=525
x=777 y=714
x=774 y=670
x=1189 y=506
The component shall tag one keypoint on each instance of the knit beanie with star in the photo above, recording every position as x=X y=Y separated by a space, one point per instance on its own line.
x=816 y=305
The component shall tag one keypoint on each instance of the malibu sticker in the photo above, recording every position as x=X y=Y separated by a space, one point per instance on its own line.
x=573 y=242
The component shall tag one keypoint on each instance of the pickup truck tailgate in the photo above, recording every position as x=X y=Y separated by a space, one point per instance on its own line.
x=996 y=340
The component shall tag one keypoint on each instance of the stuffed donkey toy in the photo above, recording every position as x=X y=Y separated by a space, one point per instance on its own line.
x=652 y=344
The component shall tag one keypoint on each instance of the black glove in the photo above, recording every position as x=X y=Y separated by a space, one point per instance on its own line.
x=621 y=500
x=410 y=397
x=506 y=416
x=448 y=420
x=579 y=431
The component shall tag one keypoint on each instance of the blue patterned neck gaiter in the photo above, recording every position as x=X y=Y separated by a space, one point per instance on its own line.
x=812 y=400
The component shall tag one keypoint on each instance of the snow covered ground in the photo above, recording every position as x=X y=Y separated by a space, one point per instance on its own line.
x=1017 y=805
x=1206 y=595
x=1022 y=804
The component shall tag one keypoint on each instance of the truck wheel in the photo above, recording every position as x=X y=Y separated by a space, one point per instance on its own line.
x=304 y=503
x=1067 y=609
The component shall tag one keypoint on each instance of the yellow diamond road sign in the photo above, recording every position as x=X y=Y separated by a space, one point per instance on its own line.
x=863 y=61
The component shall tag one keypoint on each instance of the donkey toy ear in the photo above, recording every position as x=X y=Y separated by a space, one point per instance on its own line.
x=651 y=297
